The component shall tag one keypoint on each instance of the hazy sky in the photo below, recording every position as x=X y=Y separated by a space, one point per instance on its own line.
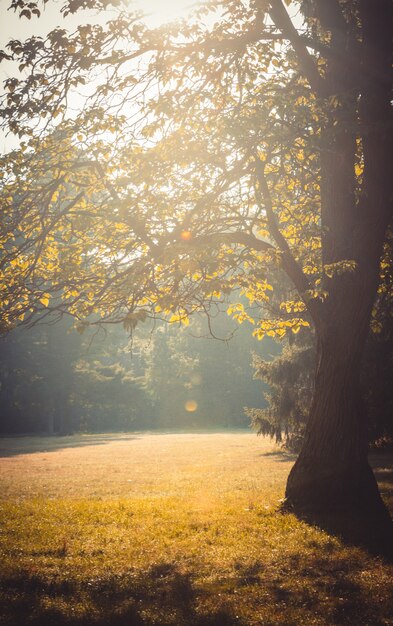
x=13 y=27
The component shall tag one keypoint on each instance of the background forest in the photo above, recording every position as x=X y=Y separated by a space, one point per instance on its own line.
x=56 y=380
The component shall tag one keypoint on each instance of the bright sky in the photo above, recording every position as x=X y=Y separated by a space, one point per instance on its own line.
x=157 y=12
x=161 y=11
x=12 y=27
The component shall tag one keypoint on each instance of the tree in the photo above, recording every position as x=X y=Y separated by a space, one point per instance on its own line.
x=54 y=380
x=289 y=377
x=199 y=382
x=201 y=154
x=36 y=379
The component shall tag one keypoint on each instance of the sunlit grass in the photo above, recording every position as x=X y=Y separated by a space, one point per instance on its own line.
x=170 y=530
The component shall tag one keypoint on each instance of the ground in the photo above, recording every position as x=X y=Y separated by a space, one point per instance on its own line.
x=172 y=530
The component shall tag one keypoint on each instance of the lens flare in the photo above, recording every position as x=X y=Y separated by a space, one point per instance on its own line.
x=186 y=235
x=191 y=406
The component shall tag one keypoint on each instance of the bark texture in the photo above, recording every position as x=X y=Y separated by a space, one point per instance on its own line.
x=332 y=482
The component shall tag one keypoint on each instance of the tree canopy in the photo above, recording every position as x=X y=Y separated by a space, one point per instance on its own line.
x=161 y=168
x=189 y=164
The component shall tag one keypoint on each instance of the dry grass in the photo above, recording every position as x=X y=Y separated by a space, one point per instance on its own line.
x=171 y=530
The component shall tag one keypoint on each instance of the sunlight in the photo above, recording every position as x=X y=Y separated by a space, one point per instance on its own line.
x=191 y=406
x=159 y=12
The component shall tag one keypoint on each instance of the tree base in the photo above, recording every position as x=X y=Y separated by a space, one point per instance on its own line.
x=344 y=501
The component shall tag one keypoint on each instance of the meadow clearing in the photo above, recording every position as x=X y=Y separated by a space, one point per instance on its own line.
x=172 y=530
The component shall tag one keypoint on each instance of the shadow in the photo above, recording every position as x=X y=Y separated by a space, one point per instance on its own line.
x=373 y=535
x=384 y=475
x=329 y=588
x=368 y=524
x=363 y=520
x=320 y=585
x=164 y=596
x=14 y=446
x=382 y=464
x=280 y=455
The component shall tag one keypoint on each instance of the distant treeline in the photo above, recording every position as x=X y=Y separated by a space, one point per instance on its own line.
x=55 y=380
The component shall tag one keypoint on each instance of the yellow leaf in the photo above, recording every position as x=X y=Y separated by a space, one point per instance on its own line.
x=54 y=196
x=45 y=299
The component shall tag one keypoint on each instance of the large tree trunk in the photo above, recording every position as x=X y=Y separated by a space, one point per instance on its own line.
x=332 y=470
x=332 y=482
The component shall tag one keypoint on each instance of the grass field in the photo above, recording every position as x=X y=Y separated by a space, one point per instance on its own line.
x=172 y=530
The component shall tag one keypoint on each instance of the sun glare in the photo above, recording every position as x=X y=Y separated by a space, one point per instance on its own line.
x=159 y=11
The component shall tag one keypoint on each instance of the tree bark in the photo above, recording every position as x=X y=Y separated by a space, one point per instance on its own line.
x=332 y=482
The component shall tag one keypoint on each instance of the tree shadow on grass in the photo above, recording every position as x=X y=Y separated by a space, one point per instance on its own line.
x=371 y=530
x=15 y=446
x=330 y=588
x=371 y=534
x=283 y=456
x=162 y=596
x=320 y=586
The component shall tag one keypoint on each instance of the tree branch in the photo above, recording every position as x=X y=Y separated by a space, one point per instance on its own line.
x=289 y=263
x=281 y=19
x=246 y=239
